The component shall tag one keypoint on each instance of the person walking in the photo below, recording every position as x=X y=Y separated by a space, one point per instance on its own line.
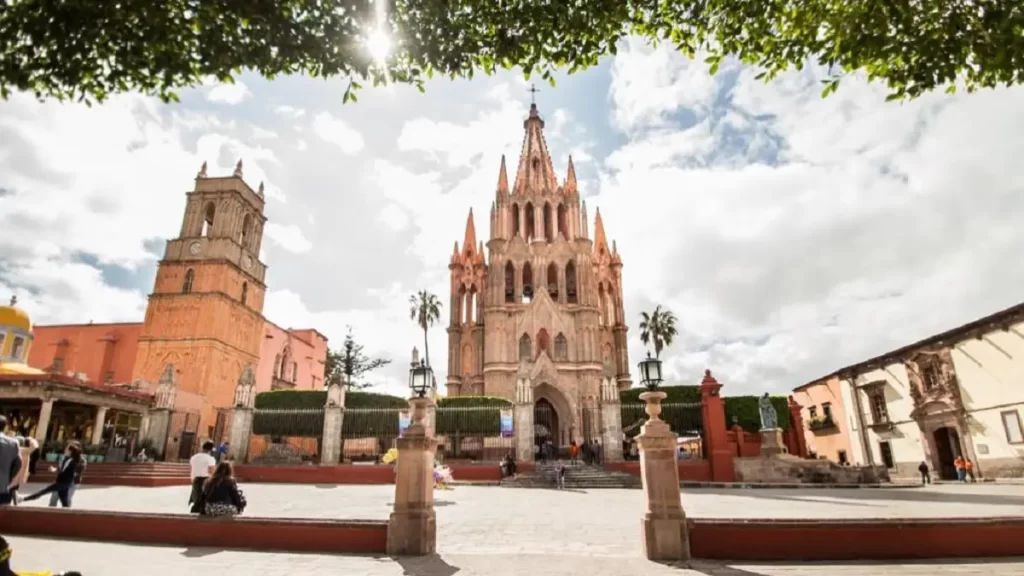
x=969 y=470
x=79 y=470
x=926 y=475
x=65 y=476
x=26 y=447
x=10 y=463
x=961 y=469
x=202 y=465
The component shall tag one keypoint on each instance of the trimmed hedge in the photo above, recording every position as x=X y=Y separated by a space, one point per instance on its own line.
x=742 y=410
x=745 y=411
x=683 y=394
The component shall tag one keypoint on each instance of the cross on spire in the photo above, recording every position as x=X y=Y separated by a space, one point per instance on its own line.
x=14 y=300
x=533 y=94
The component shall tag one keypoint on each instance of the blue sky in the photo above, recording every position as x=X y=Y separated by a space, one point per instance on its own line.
x=791 y=235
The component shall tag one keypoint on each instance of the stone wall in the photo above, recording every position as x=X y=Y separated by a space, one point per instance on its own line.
x=788 y=470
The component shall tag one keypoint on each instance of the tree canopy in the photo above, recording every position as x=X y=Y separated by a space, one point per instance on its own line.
x=89 y=50
x=348 y=365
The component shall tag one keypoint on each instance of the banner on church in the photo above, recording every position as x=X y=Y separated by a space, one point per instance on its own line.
x=506 y=423
x=404 y=420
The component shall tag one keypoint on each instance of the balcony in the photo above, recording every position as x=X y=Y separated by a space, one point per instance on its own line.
x=822 y=424
x=281 y=384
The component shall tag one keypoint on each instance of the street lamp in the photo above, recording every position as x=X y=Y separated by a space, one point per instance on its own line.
x=421 y=378
x=650 y=372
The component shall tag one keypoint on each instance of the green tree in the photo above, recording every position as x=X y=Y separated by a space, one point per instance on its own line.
x=658 y=327
x=347 y=365
x=88 y=50
x=425 y=309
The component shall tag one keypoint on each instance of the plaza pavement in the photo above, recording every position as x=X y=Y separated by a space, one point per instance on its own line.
x=496 y=531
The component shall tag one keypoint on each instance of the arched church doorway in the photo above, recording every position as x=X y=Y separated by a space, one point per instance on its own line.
x=545 y=424
x=947 y=448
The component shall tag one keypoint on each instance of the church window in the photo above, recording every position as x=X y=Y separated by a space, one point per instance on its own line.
x=460 y=306
x=515 y=220
x=17 y=348
x=524 y=347
x=570 y=282
x=548 y=233
x=246 y=233
x=527 y=283
x=245 y=292
x=543 y=342
x=553 y=281
x=510 y=282
x=611 y=319
x=561 y=348
x=277 y=366
x=3 y=337
x=295 y=371
x=930 y=376
x=602 y=304
x=186 y=286
x=563 y=222
x=208 y=216
x=536 y=163
x=529 y=217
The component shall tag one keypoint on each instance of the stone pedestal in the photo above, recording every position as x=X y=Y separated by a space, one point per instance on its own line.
x=772 y=443
x=330 y=445
x=522 y=423
x=238 y=435
x=611 y=432
x=412 y=527
x=665 y=532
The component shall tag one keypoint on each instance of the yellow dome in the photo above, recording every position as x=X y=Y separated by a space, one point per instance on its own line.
x=12 y=316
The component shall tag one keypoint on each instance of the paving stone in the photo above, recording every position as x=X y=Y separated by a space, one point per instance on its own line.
x=496 y=531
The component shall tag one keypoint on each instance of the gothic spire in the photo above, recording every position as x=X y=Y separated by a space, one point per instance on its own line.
x=470 y=242
x=570 y=179
x=502 y=178
x=535 y=172
x=599 y=239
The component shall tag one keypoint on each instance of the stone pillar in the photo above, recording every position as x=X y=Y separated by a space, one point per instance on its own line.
x=45 y=411
x=97 y=426
x=796 y=423
x=330 y=446
x=412 y=527
x=665 y=535
x=611 y=421
x=716 y=440
x=238 y=435
x=522 y=419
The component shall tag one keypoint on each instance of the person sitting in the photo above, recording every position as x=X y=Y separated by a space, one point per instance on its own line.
x=221 y=495
x=508 y=467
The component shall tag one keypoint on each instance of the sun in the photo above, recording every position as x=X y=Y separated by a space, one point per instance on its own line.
x=379 y=46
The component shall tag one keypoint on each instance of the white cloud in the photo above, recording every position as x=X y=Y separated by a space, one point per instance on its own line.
x=289 y=237
x=290 y=111
x=229 y=93
x=337 y=132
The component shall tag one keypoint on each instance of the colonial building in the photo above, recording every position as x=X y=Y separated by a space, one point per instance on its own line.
x=204 y=320
x=56 y=406
x=955 y=394
x=538 y=318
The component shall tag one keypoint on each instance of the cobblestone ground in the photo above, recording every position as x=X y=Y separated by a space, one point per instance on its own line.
x=495 y=531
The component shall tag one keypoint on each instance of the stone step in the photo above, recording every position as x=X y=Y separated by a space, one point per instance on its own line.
x=578 y=477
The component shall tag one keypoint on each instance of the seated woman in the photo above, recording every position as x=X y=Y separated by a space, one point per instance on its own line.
x=221 y=495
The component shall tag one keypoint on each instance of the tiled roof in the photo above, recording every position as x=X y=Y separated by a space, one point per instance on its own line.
x=70 y=382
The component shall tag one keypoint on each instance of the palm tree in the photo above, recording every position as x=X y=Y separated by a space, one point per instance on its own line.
x=425 y=309
x=658 y=327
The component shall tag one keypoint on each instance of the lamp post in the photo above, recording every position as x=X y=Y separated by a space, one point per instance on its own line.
x=650 y=372
x=421 y=379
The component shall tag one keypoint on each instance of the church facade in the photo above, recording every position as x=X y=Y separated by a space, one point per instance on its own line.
x=536 y=315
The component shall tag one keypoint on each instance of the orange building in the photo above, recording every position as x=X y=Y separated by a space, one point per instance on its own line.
x=204 y=318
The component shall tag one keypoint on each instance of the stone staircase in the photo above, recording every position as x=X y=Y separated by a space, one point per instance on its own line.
x=579 y=477
x=149 y=474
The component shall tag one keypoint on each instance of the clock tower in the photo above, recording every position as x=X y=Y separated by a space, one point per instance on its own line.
x=205 y=314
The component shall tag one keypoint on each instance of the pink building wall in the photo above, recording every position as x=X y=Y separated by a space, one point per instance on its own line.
x=302 y=354
x=827 y=443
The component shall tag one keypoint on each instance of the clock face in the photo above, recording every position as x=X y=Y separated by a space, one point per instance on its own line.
x=246 y=262
x=194 y=248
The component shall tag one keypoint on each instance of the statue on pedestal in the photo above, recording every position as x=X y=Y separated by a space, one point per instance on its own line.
x=769 y=418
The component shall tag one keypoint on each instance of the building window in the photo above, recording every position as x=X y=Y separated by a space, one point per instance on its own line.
x=879 y=410
x=524 y=347
x=812 y=412
x=186 y=286
x=561 y=348
x=3 y=338
x=885 y=449
x=842 y=456
x=826 y=410
x=17 y=347
x=245 y=292
x=1011 y=423
x=930 y=376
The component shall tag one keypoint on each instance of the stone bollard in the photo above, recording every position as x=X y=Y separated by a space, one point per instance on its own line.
x=665 y=531
x=412 y=528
